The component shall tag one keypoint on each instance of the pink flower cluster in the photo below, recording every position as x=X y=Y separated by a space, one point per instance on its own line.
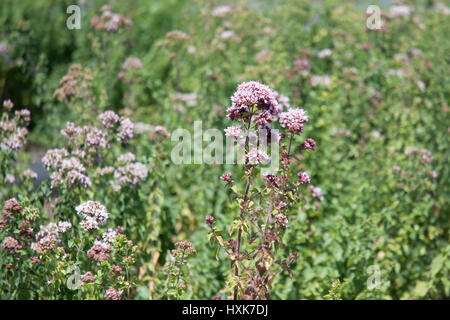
x=309 y=144
x=252 y=94
x=109 y=236
x=100 y=251
x=159 y=131
x=304 y=178
x=209 y=221
x=293 y=120
x=74 y=83
x=226 y=177
x=87 y=145
x=13 y=133
x=69 y=172
x=183 y=248
x=12 y=205
x=282 y=220
x=424 y=155
x=126 y=158
x=109 y=21
x=30 y=174
x=49 y=235
x=11 y=245
x=132 y=63
x=316 y=192
x=113 y=294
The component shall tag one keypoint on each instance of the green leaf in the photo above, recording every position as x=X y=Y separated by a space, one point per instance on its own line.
x=437 y=264
x=421 y=289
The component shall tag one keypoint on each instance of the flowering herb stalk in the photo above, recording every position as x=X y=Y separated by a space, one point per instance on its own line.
x=256 y=234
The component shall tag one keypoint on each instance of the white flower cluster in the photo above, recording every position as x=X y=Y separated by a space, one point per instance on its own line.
x=325 y=53
x=13 y=133
x=49 y=235
x=70 y=171
x=109 y=119
x=320 y=81
x=256 y=156
x=126 y=130
x=234 y=132
x=53 y=158
x=126 y=158
x=131 y=173
x=221 y=11
x=109 y=236
x=30 y=174
x=95 y=137
x=106 y=170
x=93 y=214
x=316 y=192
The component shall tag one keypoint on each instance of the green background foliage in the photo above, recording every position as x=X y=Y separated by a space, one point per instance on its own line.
x=370 y=215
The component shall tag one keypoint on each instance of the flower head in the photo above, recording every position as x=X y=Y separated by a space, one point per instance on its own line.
x=126 y=130
x=316 y=192
x=11 y=245
x=100 y=251
x=109 y=236
x=309 y=144
x=256 y=156
x=281 y=220
x=88 y=277
x=8 y=104
x=234 y=132
x=252 y=94
x=93 y=214
x=226 y=177
x=109 y=119
x=293 y=120
x=131 y=173
x=113 y=294
x=126 y=158
x=30 y=174
x=132 y=63
x=12 y=205
x=325 y=53
x=304 y=178
x=209 y=221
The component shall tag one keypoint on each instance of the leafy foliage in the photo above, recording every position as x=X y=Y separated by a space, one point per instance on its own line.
x=377 y=101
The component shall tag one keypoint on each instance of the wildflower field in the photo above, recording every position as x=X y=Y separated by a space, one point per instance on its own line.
x=231 y=149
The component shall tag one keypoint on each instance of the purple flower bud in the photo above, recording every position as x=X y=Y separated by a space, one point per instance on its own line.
x=209 y=221
x=226 y=177
x=304 y=178
x=309 y=144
